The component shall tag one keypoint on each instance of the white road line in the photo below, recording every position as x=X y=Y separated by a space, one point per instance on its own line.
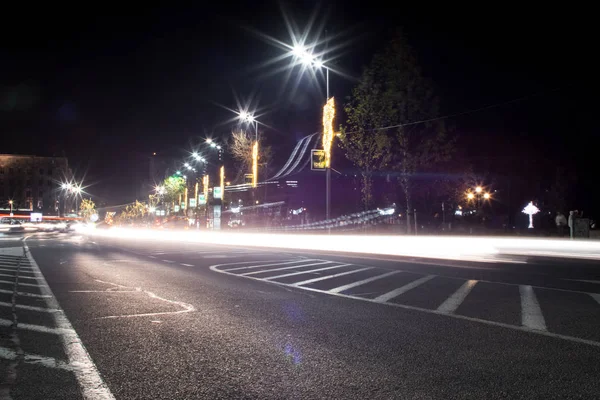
x=451 y=304
x=35 y=359
x=37 y=328
x=308 y=281
x=20 y=277
x=364 y=281
x=523 y=329
x=168 y=261
x=20 y=283
x=531 y=313
x=24 y=294
x=310 y=271
x=265 y=265
x=284 y=268
x=90 y=381
x=397 y=292
x=187 y=265
x=151 y=256
x=28 y=308
x=583 y=280
x=595 y=296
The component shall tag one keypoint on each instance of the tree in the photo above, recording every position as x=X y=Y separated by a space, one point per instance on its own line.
x=87 y=208
x=384 y=121
x=240 y=146
x=174 y=186
x=136 y=210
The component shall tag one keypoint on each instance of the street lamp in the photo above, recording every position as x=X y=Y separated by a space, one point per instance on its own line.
x=10 y=202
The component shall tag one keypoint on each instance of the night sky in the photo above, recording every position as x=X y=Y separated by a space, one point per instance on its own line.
x=107 y=91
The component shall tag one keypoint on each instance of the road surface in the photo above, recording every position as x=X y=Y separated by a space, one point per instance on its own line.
x=101 y=319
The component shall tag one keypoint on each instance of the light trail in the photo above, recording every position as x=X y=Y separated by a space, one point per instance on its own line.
x=489 y=249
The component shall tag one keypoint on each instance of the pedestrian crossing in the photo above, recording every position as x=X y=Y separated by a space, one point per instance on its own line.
x=525 y=307
x=35 y=332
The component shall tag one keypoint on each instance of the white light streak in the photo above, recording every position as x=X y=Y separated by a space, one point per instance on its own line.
x=450 y=248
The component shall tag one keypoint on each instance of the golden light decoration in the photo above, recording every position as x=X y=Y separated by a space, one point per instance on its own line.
x=205 y=182
x=185 y=198
x=328 y=116
x=222 y=173
x=470 y=196
x=486 y=196
x=255 y=164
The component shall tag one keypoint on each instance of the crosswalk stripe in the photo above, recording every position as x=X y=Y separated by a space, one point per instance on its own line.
x=28 y=308
x=284 y=268
x=266 y=265
x=24 y=294
x=531 y=313
x=452 y=302
x=306 y=272
x=364 y=281
x=308 y=281
x=397 y=292
x=595 y=296
x=15 y=269
x=37 y=328
x=20 y=277
x=20 y=283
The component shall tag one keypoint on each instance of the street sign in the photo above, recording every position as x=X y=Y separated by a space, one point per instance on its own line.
x=202 y=199
x=317 y=160
x=183 y=205
x=217 y=194
x=192 y=203
x=176 y=208
x=248 y=179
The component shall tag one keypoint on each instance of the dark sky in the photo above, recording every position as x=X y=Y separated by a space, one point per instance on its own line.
x=109 y=90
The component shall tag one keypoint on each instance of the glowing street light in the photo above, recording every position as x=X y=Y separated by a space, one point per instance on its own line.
x=470 y=196
x=478 y=189
x=486 y=196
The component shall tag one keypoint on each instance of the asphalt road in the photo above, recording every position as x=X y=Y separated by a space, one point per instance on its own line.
x=99 y=318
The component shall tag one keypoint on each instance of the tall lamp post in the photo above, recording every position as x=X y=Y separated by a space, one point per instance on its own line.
x=249 y=118
x=305 y=57
x=10 y=202
x=478 y=194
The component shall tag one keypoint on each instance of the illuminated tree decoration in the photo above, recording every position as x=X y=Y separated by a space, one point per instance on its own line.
x=328 y=116
x=255 y=164
x=530 y=210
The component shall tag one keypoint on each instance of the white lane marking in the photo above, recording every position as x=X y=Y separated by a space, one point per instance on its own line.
x=310 y=271
x=168 y=261
x=452 y=302
x=284 y=268
x=266 y=265
x=36 y=328
x=186 y=308
x=28 y=308
x=308 y=281
x=86 y=373
x=151 y=256
x=595 y=296
x=403 y=289
x=24 y=294
x=358 y=283
x=531 y=313
x=35 y=359
x=187 y=265
x=20 y=283
x=523 y=329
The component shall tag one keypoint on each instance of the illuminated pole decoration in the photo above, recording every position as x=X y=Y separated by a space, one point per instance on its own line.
x=185 y=198
x=328 y=117
x=222 y=176
x=196 y=193
x=530 y=210
x=205 y=183
x=255 y=164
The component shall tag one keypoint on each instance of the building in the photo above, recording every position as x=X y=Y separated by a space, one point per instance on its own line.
x=32 y=182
